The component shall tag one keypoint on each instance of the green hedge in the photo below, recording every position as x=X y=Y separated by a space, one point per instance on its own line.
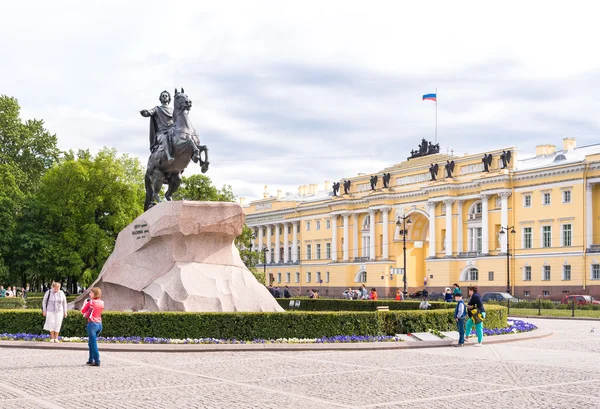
x=325 y=304
x=248 y=326
x=11 y=303
x=30 y=302
x=36 y=302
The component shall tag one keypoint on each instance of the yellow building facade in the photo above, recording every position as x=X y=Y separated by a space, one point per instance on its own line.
x=530 y=225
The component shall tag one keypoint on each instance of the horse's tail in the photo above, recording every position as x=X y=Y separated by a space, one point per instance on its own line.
x=148 y=184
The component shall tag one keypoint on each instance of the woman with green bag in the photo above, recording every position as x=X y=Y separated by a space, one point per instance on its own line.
x=476 y=314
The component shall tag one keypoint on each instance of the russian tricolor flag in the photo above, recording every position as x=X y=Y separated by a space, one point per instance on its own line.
x=431 y=97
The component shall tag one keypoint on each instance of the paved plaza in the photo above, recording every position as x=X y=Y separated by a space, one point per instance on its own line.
x=560 y=371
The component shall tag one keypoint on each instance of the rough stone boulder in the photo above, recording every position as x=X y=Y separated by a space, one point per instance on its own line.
x=180 y=256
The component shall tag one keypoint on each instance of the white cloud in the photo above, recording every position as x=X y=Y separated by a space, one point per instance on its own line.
x=291 y=93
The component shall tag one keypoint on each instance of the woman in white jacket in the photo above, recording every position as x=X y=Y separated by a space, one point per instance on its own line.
x=54 y=306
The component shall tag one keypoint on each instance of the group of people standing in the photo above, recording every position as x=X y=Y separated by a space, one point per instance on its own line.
x=11 y=292
x=54 y=308
x=469 y=315
x=361 y=294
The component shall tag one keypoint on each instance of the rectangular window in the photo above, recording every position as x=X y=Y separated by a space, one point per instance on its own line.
x=526 y=293
x=546 y=273
x=566 y=235
x=289 y=229
x=328 y=224
x=298 y=250
x=298 y=228
x=547 y=236
x=595 y=272
x=527 y=237
x=308 y=277
x=318 y=252
x=297 y=277
x=527 y=273
x=490 y=276
x=280 y=230
x=566 y=196
x=546 y=199
x=566 y=272
x=327 y=250
x=308 y=251
x=288 y=277
x=278 y=277
x=527 y=201
x=327 y=276
x=318 y=277
x=318 y=225
x=546 y=293
x=307 y=226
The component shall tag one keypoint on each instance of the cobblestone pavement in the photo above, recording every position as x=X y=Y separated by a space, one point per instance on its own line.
x=561 y=371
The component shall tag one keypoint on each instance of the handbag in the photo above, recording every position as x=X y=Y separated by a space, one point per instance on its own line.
x=89 y=312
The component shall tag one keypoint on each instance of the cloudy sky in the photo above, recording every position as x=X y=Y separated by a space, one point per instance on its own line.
x=290 y=93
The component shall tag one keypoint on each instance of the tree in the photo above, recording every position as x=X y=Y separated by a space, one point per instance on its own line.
x=83 y=202
x=199 y=187
x=11 y=200
x=25 y=145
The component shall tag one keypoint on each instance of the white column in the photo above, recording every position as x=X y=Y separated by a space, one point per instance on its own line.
x=295 y=242
x=268 y=255
x=334 y=240
x=459 y=227
x=432 y=240
x=286 y=252
x=355 y=236
x=385 y=245
x=277 y=244
x=589 y=218
x=485 y=234
x=345 y=248
x=372 y=247
x=504 y=220
x=260 y=238
x=448 y=204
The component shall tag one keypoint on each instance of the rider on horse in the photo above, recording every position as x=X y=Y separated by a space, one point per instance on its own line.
x=160 y=122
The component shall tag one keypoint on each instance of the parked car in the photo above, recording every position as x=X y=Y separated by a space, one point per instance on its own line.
x=579 y=299
x=436 y=296
x=500 y=297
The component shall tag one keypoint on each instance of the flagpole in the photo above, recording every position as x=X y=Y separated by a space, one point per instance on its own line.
x=436 y=96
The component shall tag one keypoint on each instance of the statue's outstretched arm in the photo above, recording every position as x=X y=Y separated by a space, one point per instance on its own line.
x=147 y=112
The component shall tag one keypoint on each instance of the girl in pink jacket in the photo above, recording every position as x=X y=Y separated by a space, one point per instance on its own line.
x=92 y=310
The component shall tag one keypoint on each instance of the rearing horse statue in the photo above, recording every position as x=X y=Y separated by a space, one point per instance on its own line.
x=185 y=146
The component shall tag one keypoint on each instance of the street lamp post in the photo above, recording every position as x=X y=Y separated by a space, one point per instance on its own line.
x=505 y=230
x=405 y=219
x=265 y=250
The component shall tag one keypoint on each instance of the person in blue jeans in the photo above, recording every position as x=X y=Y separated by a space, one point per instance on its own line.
x=92 y=310
x=476 y=313
x=460 y=316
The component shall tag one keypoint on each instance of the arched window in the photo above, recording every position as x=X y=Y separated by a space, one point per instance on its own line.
x=470 y=274
x=361 y=277
x=475 y=211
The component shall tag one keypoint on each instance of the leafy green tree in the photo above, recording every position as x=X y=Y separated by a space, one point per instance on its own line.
x=83 y=202
x=26 y=145
x=199 y=187
x=11 y=200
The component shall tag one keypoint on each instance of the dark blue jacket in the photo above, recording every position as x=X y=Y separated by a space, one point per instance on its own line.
x=448 y=297
x=476 y=302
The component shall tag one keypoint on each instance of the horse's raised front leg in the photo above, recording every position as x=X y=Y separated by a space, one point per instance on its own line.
x=203 y=163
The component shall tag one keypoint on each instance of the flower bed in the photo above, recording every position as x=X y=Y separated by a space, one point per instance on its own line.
x=514 y=326
x=342 y=339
